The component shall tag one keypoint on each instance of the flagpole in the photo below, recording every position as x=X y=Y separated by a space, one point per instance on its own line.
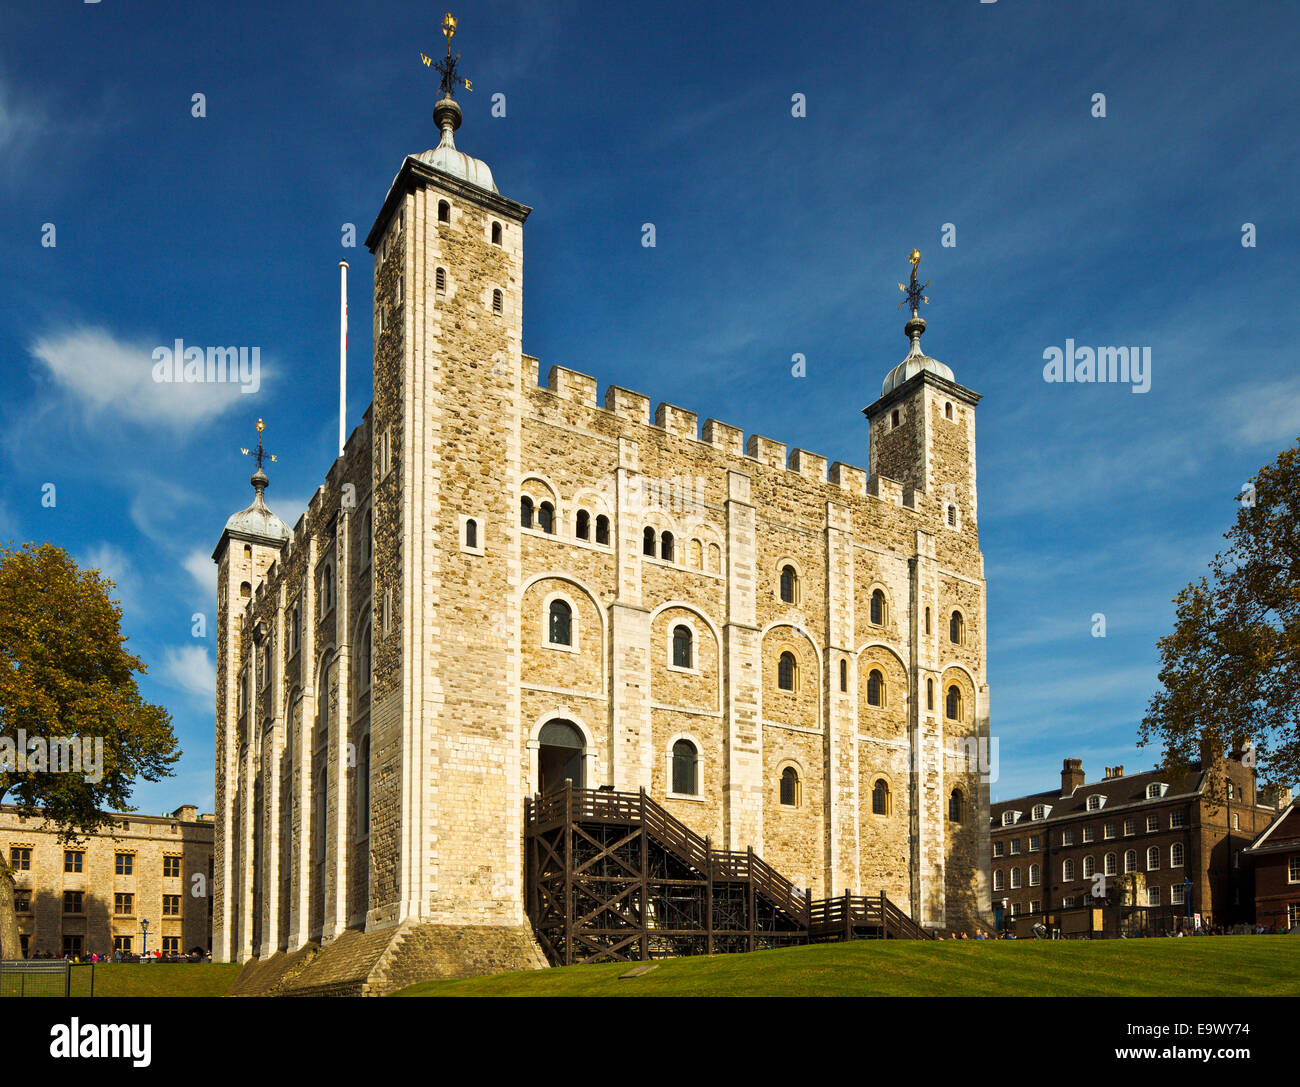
x=343 y=353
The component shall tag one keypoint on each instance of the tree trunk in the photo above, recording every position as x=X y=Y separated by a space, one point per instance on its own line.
x=10 y=947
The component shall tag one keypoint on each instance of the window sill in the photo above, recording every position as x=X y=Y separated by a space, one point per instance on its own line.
x=687 y=796
x=560 y=647
x=683 y=671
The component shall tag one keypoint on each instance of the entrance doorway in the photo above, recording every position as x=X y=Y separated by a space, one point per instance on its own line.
x=559 y=756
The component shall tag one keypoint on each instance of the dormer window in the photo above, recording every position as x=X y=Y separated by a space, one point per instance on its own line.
x=1008 y=818
x=1040 y=811
x=1157 y=789
x=1096 y=802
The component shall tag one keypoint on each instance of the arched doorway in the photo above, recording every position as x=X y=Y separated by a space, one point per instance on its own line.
x=559 y=756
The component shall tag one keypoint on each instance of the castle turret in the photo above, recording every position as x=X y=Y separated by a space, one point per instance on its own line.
x=249 y=544
x=448 y=376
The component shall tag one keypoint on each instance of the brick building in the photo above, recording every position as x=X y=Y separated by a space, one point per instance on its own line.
x=1275 y=859
x=90 y=896
x=1157 y=839
x=500 y=585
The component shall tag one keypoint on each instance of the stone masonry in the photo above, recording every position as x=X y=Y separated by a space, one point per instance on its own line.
x=387 y=670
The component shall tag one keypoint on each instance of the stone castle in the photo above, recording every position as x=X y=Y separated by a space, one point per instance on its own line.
x=500 y=586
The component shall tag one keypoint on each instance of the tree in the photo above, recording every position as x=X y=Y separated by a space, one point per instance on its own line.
x=65 y=675
x=1230 y=671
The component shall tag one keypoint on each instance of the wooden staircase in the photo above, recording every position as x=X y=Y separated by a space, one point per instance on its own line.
x=615 y=877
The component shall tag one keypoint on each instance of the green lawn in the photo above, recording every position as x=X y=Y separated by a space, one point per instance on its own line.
x=1191 y=966
x=157 y=979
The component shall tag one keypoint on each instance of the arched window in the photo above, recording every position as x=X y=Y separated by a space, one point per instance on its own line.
x=715 y=558
x=1111 y=865
x=954 y=703
x=790 y=787
x=880 y=797
x=878 y=608
x=368 y=543
x=1176 y=855
x=440 y=280
x=526 y=512
x=648 y=541
x=875 y=688
x=695 y=555
x=363 y=787
x=1089 y=867
x=1035 y=875
x=682 y=649
x=685 y=761
x=999 y=880
x=583 y=528
x=1130 y=860
x=952 y=515
x=929 y=694
x=789 y=584
x=844 y=675
x=546 y=517
x=245 y=590
x=602 y=530
x=1067 y=871
x=496 y=237
x=666 y=547
x=561 y=632
x=786 y=670
x=955 y=806
x=444 y=212
x=498 y=303
x=927 y=620
x=947 y=411
x=1153 y=858
x=471 y=533
x=363 y=658
x=1015 y=879
x=956 y=628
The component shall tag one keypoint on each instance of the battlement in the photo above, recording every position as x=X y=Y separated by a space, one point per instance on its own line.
x=583 y=389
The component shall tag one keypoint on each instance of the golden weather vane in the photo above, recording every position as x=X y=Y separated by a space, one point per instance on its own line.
x=447 y=66
x=914 y=295
x=260 y=453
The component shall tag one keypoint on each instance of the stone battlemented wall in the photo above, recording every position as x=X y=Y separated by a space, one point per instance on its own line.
x=450 y=691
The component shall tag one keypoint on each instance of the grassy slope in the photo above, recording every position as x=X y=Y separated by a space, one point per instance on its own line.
x=158 y=979
x=1195 y=966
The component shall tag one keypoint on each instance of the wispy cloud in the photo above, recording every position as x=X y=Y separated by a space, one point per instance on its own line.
x=114 y=563
x=108 y=377
x=1267 y=415
x=189 y=669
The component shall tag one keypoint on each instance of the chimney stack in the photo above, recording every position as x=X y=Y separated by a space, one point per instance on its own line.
x=1071 y=776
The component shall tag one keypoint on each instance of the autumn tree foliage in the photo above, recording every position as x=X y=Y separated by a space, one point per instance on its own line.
x=1230 y=670
x=65 y=673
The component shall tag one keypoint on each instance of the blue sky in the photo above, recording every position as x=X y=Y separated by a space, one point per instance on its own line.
x=775 y=235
